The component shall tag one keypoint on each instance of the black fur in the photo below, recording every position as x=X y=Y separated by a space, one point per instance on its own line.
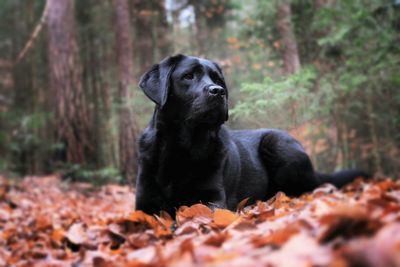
x=187 y=156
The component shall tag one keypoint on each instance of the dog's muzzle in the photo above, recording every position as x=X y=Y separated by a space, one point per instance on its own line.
x=216 y=90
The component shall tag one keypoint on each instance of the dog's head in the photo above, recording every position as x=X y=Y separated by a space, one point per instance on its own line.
x=188 y=88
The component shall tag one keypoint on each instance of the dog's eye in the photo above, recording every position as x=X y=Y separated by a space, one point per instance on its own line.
x=188 y=76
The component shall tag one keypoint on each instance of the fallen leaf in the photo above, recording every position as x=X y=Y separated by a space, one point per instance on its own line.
x=242 y=204
x=58 y=235
x=276 y=238
x=185 y=213
x=347 y=221
x=217 y=239
x=223 y=217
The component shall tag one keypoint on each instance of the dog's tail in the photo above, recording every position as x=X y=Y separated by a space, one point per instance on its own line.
x=342 y=178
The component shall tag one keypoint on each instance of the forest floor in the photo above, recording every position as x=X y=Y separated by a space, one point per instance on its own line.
x=47 y=222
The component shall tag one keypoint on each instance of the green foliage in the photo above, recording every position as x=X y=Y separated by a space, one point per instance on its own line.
x=353 y=46
x=272 y=96
x=25 y=141
x=97 y=176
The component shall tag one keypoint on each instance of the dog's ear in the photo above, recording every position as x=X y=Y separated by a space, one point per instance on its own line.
x=155 y=83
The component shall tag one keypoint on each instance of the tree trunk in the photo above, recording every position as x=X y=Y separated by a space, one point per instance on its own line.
x=152 y=33
x=289 y=51
x=70 y=109
x=201 y=34
x=144 y=35
x=127 y=132
x=163 y=30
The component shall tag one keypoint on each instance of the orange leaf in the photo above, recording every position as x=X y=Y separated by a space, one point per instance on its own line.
x=141 y=217
x=218 y=239
x=43 y=222
x=266 y=214
x=347 y=221
x=186 y=213
x=224 y=217
x=281 y=200
x=386 y=184
x=58 y=235
x=277 y=238
x=165 y=219
x=165 y=224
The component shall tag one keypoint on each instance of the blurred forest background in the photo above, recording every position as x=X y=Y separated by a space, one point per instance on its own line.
x=328 y=71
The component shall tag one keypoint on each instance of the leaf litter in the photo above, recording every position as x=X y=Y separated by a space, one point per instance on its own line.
x=44 y=222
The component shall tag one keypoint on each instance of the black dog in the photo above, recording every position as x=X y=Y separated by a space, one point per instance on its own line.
x=186 y=156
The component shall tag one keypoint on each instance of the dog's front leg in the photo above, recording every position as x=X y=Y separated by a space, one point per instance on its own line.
x=149 y=197
x=215 y=196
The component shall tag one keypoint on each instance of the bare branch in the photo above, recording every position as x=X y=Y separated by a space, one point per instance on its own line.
x=29 y=44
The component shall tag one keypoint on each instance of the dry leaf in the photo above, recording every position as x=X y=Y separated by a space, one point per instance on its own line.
x=217 y=239
x=187 y=213
x=223 y=218
x=242 y=204
x=276 y=238
x=358 y=225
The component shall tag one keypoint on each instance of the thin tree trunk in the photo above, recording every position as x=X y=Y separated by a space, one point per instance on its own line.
x=127 y=129
x=289 y=51
x=70 y=109
x=374 y=136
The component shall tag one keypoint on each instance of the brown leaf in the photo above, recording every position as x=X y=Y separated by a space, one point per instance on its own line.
x=188 y=247
x=141 y=217
x=185 y=213
x=223 y=217
x=347 y=221
x=266 y=214
x=281 y=200
x=102 y=262
x=244 y=224
x=43 y=222
x=387 y=184
x=165 y=219
x=139 y=240
x=58 y=235
x=217 y=239
x=188 y=228
x=277 y=238
x=164 y=228
x=242 y=204
x=381 y=250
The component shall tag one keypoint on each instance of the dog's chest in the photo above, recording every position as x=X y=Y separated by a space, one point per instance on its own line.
x=188 y=165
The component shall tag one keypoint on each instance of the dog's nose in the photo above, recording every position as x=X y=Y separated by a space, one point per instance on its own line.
x=216 y=90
